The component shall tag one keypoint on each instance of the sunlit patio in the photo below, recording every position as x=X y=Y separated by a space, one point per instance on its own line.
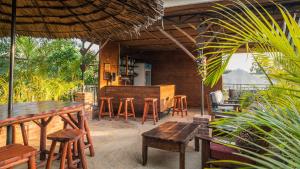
x=162 y=84
x=118 y=145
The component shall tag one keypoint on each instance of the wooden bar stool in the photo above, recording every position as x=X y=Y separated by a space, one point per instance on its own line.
x=125 y=113
x=15 y=154
x=180 y=105
x=72 y=121
x=67 y=138
x=150 y=102
x=108 y=101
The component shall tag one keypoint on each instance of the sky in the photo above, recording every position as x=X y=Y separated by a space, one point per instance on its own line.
x=170 y=3
x=240 y=61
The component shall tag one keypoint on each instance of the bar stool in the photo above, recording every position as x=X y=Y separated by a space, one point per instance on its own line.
x=16 y=154
x=180 y=105
x=66 y=138
x=87 y=135
x=150 y=102
x=126 y=114
x=102 y=112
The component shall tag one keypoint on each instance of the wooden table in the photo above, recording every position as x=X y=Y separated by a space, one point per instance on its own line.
x=170 y=136
x=42 y=113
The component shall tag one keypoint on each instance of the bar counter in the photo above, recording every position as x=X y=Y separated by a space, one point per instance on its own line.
x=164 y=94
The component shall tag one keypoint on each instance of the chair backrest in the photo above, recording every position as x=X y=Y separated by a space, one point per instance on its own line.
x=217 y=98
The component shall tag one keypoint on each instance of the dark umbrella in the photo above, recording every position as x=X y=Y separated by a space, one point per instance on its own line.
x=91 y=20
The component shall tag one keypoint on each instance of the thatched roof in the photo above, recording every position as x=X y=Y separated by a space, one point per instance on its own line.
x=91 y=20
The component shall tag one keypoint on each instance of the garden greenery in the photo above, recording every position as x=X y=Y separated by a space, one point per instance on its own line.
x=44 y=69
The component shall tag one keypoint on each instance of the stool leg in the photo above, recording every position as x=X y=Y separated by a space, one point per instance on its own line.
x=145 y=112
x=89 y=138
x=174 y=106
x=51 y=155
x=75 y=148
x=63 y=155
x=181 y=105
x=70 y=155
x=112 y=108
x=82 y=154
x=185 y=106
x=109 y=109
x=154 y=112
x=101 y=109
x=132 y=109
x=126 y=110
x=120 y=109
x=31 y=162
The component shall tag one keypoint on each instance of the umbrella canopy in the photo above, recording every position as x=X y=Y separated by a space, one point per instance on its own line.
x=84 y=19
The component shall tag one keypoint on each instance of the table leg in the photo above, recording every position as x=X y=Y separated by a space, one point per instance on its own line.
x=43 y=139
x=182 y=157
x=144 y=152
x=43 y=136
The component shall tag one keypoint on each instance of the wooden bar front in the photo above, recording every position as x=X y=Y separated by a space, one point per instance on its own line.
x=164 y=94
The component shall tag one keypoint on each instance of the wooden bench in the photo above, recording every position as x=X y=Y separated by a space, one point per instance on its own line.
x=15 y=154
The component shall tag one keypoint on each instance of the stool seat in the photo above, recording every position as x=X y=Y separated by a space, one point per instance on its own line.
x=66 y=135
x=106 y=98
x=180 y=96
x=14 y=154
x=127 y=98
x=150 y=99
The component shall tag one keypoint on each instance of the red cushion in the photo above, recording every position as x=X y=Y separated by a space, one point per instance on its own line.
x=222 y=152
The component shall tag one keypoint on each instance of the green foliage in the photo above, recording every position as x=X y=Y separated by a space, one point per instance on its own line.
x=277 y=54
x=44 y=69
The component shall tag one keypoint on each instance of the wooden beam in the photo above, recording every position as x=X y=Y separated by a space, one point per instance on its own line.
x=186 y=34
x=177 y=43
x=192 y=26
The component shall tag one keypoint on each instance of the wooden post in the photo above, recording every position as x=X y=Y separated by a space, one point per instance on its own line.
x=9 y=138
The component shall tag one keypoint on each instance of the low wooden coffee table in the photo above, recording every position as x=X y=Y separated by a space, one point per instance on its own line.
x=170 y=136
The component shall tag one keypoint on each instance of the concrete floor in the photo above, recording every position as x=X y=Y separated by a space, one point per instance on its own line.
x=118 y=146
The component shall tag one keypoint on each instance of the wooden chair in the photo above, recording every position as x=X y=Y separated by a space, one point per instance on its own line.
x=150 y=102
x=218 y=102
x=180 y=105
x=15 y=154
x=215 y=151
x=126 y=114
x=108 y=101
x=211 y=150
x=67 y=138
